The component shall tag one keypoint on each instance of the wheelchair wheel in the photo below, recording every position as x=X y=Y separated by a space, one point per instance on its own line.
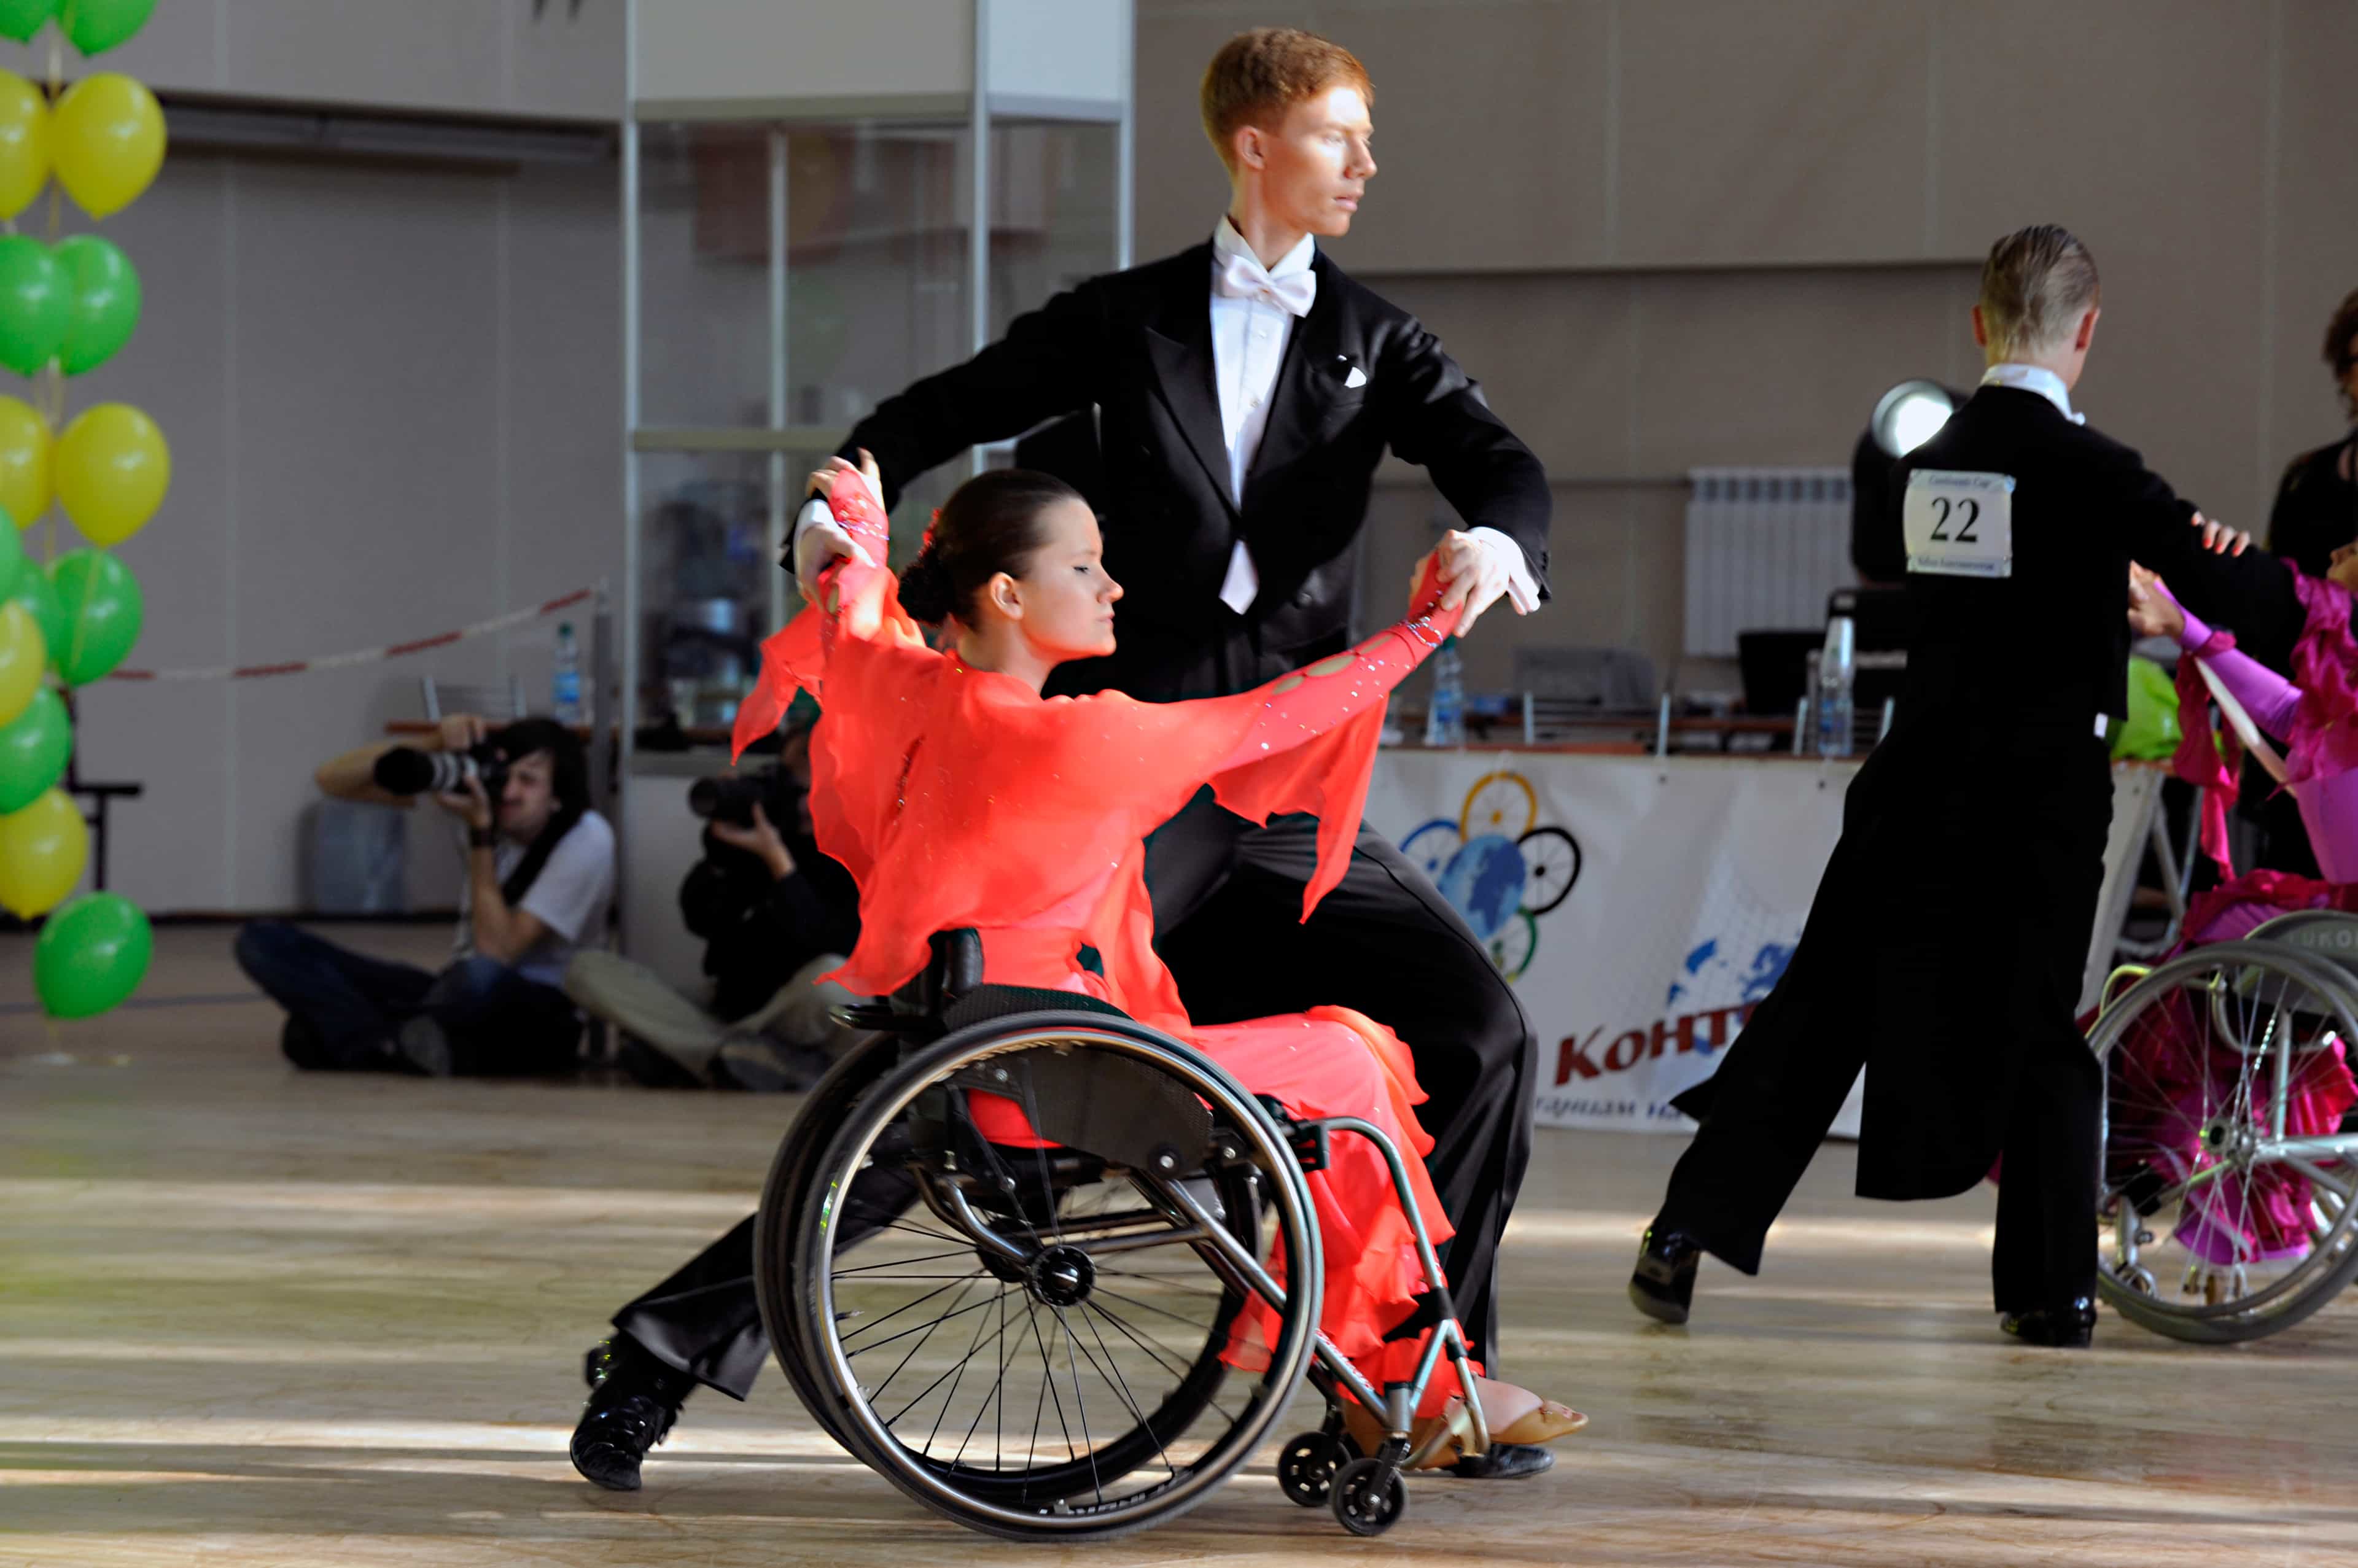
x=786 y=1193
x=1035 y=1351
x=2228 y=1204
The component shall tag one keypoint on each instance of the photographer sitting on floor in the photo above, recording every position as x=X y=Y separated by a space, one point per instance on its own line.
x=540 y=872
x=774 y=915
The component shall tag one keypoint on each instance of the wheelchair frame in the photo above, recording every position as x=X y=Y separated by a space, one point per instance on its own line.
x=2301 y=965
x=920 y=1031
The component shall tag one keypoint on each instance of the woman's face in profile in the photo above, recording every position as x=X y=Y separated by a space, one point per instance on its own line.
x=2342 y=567
x=1067 y=596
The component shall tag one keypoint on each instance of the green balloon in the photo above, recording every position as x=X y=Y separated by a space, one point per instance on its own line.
x=97 y=25
x=100 y=605
x=35 y=310
x=12 y=556
x=33 y=591
x=103 y=301
x=21 y=19
x=33 y=750
x=92 y=955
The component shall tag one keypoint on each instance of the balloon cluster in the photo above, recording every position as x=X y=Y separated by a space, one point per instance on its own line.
x=66 y=306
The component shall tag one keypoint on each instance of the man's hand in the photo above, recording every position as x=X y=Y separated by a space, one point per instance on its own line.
x=471 y=805
x=762 y=839
x=1471 y=575
x=818 y=538
x=2152 y=612
x=2220 y=539
x=460 y=730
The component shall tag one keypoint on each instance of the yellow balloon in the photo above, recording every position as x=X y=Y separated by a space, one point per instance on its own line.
x=113 y=469
x=42 y=851
x=106 y=140
x=24 y=461
x=24 y=143
x=22 y=656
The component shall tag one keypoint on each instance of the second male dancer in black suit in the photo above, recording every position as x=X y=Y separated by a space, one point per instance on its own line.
x=1245 y=391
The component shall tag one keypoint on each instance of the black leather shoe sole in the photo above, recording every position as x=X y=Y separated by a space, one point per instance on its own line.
x=1505 y=1462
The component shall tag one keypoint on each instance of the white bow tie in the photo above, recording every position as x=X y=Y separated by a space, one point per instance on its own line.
x=1243 y=278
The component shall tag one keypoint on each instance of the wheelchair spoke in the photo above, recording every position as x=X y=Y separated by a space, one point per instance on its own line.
x=1111 y=1372
x=1144 y=1305
x=956 y=1370
x=919 y=1328
x=996 y=1398
x=1177 y=1369
x=912 y=1355
x=899 y=1262
x=1079 y=1405
x=1047 y=1390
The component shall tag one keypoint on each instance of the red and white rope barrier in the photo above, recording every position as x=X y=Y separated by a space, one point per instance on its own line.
x=362 y=655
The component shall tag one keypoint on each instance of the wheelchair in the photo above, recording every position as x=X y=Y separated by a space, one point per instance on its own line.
x=1057 y=1275
x=2228 y=1204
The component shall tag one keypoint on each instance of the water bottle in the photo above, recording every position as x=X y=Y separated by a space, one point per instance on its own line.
x=1445 y=718
x=1836 y=667
x=565 y=684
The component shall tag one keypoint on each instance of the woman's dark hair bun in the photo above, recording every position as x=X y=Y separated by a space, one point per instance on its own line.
x=990 y=524
x=926 y=589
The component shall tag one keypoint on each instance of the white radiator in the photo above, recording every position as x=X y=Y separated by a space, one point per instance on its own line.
x=1763 y=548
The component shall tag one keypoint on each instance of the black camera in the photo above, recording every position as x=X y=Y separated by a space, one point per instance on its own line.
x=405 y=770
x=724 y=887
x=730 y=799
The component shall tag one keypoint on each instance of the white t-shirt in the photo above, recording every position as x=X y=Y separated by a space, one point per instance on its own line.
x=569 y=896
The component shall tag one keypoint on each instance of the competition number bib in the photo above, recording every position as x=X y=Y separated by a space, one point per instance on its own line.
x=1958 y=524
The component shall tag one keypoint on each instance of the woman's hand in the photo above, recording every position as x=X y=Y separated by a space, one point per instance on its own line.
x=2152 y=612
x=820 y=541
x=761 y=839
x=1424 y=588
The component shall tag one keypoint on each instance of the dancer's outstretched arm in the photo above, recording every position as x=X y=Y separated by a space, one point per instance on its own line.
x=1317 y=698
x=2267 y=696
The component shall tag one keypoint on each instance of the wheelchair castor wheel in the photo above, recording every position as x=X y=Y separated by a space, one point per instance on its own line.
x=1306 y=1470
x=1369 y=1496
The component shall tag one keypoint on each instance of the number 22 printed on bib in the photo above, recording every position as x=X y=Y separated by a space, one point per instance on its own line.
x=1958 y=524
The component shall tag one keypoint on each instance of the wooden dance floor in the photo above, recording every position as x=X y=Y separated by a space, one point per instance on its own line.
x=257 y=1318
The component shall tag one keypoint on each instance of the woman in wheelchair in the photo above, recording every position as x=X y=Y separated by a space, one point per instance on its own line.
x=2264 y=1218
x=961 y=799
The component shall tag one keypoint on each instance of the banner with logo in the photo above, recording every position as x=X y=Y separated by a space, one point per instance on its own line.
x=1641 y=906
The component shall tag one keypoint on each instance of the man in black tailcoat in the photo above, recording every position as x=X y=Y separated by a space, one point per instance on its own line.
x=1244 y=392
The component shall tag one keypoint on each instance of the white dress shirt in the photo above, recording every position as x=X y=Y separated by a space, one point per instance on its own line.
x=1251 y=327
x=1253 y=310
x=1250 y=332
x=2038 y=379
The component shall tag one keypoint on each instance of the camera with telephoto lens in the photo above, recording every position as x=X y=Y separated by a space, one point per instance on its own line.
x=731 y=797
x=728 y=884
x=405 y=770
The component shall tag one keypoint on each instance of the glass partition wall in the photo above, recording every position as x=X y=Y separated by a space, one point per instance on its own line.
x=785 y=274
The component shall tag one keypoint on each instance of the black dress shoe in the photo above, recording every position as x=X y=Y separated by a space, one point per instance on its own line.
x=633 y=1400
x=1505 y=1462
x=2070 y=1326
x=1662 y=1285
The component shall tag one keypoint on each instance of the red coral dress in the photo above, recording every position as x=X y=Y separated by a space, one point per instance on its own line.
x=959 y=797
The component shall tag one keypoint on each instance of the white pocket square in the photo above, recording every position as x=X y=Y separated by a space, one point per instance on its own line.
x=1356 y=378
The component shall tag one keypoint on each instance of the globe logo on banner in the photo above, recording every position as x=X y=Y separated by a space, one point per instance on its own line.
x=1499 y=867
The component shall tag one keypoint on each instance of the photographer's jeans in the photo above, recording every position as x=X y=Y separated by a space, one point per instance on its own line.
x=343 y=1008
